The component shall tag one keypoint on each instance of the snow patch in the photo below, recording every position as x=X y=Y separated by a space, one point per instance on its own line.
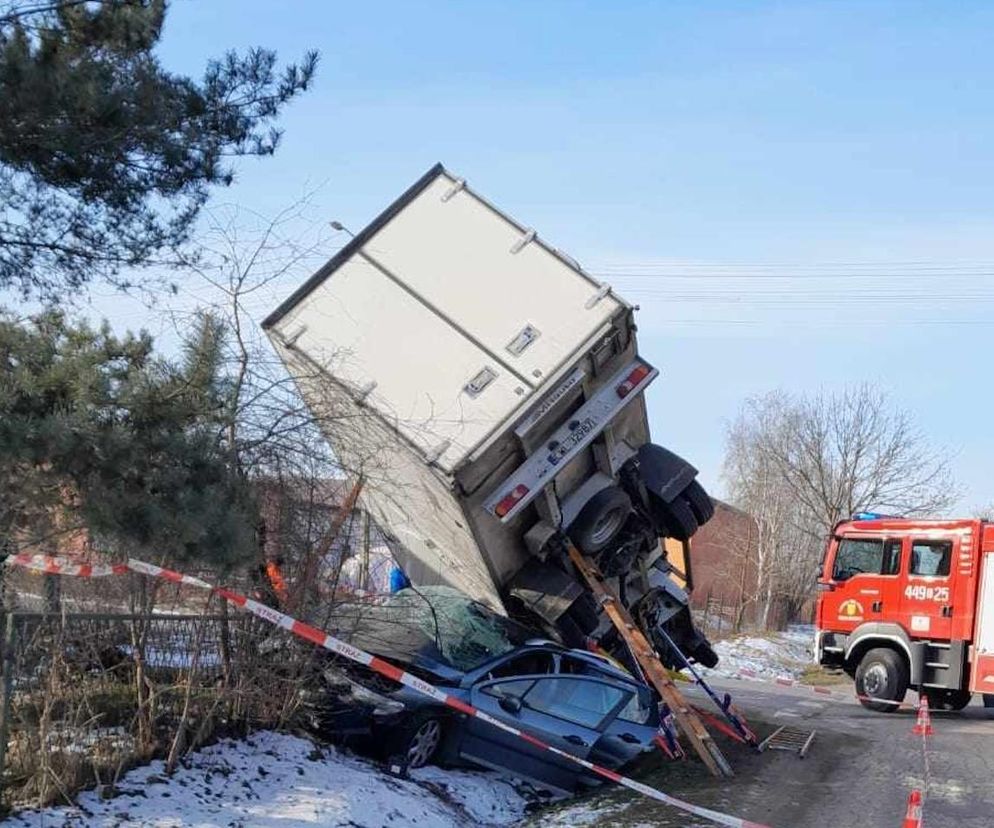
x=777 y=655
x=272 y=779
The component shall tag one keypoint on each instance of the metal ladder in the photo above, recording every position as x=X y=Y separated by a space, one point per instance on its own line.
x=685 y=716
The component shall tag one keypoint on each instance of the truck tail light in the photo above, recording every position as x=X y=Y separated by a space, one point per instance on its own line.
x=633 y=379
x=509 y=501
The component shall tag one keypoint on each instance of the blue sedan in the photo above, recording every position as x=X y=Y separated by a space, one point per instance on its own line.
x=572 y=699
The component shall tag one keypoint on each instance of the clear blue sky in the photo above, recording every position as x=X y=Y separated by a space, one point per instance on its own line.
x=798 y=195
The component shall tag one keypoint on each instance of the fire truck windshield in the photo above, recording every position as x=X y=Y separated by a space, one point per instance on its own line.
x=856 y=556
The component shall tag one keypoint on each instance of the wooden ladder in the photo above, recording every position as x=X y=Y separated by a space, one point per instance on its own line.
x=686 y=718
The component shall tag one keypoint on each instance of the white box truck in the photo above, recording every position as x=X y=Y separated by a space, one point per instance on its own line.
x=490 y=393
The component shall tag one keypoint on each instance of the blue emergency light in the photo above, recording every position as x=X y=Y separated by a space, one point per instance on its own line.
x=872 y=516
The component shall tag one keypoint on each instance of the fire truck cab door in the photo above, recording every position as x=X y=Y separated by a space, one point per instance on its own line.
x=927 y=599
x=864 y=579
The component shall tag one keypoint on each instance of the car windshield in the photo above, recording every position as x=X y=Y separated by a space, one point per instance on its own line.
x=438 y=622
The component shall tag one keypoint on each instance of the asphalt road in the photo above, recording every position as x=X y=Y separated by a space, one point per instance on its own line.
x=858 y=773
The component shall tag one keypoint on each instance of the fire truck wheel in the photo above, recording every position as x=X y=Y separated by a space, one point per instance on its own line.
x=600 y=520
x=952 y=699
x=700 y=502
x=883 y=675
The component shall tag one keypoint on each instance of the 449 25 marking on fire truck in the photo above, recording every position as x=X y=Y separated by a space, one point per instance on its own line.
x=921 y=592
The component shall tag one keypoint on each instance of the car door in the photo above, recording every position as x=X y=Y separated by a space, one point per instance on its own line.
x=567 y=712
x=630 y=733
x=633 y=729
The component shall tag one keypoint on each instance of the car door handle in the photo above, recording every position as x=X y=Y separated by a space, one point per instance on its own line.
x=576 y=740
x=629 y=737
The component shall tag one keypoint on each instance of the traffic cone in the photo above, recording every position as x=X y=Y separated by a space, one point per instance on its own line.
x=913 y=816
x=923 y=727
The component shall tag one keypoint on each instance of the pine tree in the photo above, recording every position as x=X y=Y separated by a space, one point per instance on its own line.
x=105 y=157
x=125 y=443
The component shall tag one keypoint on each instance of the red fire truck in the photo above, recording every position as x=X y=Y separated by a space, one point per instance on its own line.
x=909 y=603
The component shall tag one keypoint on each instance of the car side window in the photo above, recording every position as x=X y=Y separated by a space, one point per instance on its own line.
x=568 y=665
x=639 y=708
x=585 y=702
x=931 y=557
x=527 y=664
x=509 y=689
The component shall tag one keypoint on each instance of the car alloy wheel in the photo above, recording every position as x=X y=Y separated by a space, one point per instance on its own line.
x=424 y=742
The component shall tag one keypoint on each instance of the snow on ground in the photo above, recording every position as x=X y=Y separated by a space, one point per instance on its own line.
x=780 y=654
x=273 y=780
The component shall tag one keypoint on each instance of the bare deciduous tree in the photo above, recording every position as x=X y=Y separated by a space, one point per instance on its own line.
x=801 y=464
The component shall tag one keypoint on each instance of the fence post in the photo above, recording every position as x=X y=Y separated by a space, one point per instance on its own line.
x=6 y=686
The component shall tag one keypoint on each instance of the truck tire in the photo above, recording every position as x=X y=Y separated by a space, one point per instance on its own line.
x=705 y=655
x=700 y=502
x=951 y=699
x=600 y=520
x=882 y=674
x=676 y=518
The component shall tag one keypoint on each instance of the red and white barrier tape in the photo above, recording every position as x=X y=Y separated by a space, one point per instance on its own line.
x=51 y=565
x=64 y=566
x=785 y=681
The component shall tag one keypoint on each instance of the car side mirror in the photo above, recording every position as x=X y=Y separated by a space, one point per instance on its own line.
x=512 y=704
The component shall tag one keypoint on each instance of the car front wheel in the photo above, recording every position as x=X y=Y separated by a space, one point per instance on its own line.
x=419 y=743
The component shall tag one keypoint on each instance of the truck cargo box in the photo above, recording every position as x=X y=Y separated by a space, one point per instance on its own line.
x=490 y=394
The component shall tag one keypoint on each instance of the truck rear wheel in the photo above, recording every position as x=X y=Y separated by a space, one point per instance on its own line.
x=951 y=699
x=882 y=680
x=677 y=518
x=700 y=502
x=600 y=520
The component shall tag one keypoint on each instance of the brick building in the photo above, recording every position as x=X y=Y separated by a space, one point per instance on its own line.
x=723 y=556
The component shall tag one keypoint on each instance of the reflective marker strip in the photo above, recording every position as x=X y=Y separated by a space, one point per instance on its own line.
x=329 y=642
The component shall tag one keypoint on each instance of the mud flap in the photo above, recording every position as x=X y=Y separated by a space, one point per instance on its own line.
x=664 y=473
